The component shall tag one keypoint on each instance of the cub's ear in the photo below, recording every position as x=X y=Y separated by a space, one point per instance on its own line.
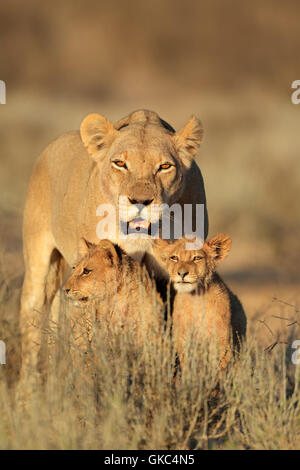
x=113 y=251
x=160 y=244
x=188 y=140
x=97 y=133
x=161 y=248
x=84 y=247
x=218 y=247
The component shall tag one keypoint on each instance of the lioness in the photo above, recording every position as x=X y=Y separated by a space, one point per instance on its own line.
x=141 y=158
x=117 y=287
x=204 y=306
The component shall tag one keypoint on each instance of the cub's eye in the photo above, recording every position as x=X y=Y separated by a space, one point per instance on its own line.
x=165 y=166
x=73 y=267
x=120 y=164
x=174 y=258
x=86 y=271
x=197 y=258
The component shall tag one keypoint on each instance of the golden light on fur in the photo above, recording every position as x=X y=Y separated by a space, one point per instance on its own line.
x=96 y=132
x=188 y=140
x=218 y=247
x=116 y=287
x=204 y=307
x=67 y=187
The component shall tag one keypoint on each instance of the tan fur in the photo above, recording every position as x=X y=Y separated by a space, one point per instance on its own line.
x=117 y=288
x=204 y=307
x=74 y=175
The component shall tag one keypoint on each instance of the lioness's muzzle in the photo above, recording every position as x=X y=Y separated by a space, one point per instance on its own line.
x=139 y=225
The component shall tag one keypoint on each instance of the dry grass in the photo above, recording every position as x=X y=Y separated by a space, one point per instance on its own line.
x=122 y=395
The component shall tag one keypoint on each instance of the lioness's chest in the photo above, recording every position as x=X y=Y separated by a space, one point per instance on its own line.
x=136 y=248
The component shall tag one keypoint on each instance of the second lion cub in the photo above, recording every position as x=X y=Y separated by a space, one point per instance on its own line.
x=204 y=307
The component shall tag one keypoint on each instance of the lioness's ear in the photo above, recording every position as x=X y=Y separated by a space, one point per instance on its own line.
x=84 y=247
x=188 y=140
x=97 y=133
x=218 y=247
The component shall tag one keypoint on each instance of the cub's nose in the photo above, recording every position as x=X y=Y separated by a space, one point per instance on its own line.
x=182 y=274
x=67 y=291
x=144 y=202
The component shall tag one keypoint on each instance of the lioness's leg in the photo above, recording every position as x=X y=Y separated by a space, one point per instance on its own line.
x=34 y=301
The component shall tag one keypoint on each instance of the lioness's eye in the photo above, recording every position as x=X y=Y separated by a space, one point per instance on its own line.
x=197 y=258
x=174 y=258
x=86 y=271
x=120 y=164
x=165 y=166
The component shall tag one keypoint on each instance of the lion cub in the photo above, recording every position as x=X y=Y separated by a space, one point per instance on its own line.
x=204 y=306
x=117 y=288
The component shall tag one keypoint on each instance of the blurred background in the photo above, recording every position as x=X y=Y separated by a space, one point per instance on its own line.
x=231 y=63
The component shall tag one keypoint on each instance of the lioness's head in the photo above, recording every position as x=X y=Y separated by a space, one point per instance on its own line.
x=97 y=272
x=189 y=269
x=143 y=161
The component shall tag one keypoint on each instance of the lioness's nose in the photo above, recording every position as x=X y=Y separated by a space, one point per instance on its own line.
x=144 y=202
x=67 y=291
x=182 y=274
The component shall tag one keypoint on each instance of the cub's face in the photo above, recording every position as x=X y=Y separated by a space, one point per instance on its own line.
x=189 y=268
x=95 y=274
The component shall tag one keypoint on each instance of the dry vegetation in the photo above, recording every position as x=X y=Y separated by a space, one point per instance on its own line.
x=123 y=395
x=232 y=66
